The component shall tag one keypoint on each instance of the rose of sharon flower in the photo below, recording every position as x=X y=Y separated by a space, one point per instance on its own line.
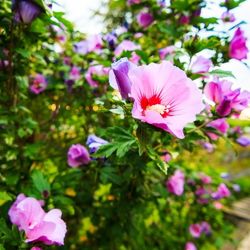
x=201 y=65
x=219 y=124
x=36 y=248
x=39 y=226
x=78 y=155
x=166 y=51
x=97 y=70
x=118 y=76
x=243 y=141
x=237 y=47
x=25 y=11
x=228 y=17
x=190 y=246
x=195 y=230
x=164 y=97
x=74 y=73
x=226 y=99
x=144 y=19
x=222 y=192
x=38 y=84
x=94 y=142
x=175 y=183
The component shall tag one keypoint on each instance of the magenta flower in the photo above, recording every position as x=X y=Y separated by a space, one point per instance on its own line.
x=222 y=192
x=190 y=246
x=95 y=70
x=226 y=99
x=195 y=230
x=201 y=65
x=28 y=215
x=166 y=51
x=38 y=84
x=74 y=73
x=25 y=11
x=228 y=17
x=205 y=227
x=36 y=248
x=131 y=2
x=175 y=183
x=166 y=157
x=221 y=125
x=78 y=155
x=237 y=47
x=144 y=19
x=164 y=97
x=126 y=45
x=118 y=76
x=184 y=20
x=205 y=179
x=93 y=43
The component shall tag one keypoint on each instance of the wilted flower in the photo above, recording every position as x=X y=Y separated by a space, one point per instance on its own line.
x=201 y=65
x=126 y=45
x=144 y=19
x=166 y=51
x=78 y=155
x=227 y=17
x=164 y=97
x=38 y=84
x=222 y=192
x=118 y=76
x=95 y=70
x=195 y=230
x=243 y=141
x=28 y=215
x=94 y=142
x=175 y=183
x=237 y=47
x=92 y=44
x=25 y=11
x=226 y=99
x=190 y=246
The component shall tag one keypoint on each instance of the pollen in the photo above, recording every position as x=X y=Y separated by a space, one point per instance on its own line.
x=159 y=108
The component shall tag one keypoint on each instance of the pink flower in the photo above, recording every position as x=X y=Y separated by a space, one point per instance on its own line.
x=118 y=76
x=166 y=51
x=164 y=97
x=93 y=43
x=144 y=19
x=227 y=17
x=38 y=84
x=205 y=227
x=96 y=70
x=126 y=45
x=237 y=47
x=184 y=20
x=206 y=179
x=74 y=73
x=78 y=155
x=220 y=124
x=222 y=192
x=28 y=215
x=226 y=99
x=175 y=183
x=36 y=248
x=217 y=205
x=190 y=246
x=195 y=230
x=201 y=65
x=166 y=157
x=131 y=2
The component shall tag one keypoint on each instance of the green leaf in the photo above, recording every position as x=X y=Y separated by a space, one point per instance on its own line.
x=221 y=73
x=4 y=197
x=39 y=181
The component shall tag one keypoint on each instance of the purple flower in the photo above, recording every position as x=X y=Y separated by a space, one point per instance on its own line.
x=74 y=73
x=94 y=142
x=166 y=51
x=131 y=2
x=184 y=20
x=144 y=19
x=237 y=47
x=111 y=39
x=118 y=76
x=78 y=155
x=92 y=44
x=226 y=99
x=95 y=70
x=222 y=192
x=243 y=141
x=126 y=45
x=227 y=17
x=190 y=246
x=207 y=146
x=175 y=183
x=205 y=228
x=201 y=65
x=38 y=84
x=236 y=187
x=25 y=11
x=195 y=230
x=225 y=175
